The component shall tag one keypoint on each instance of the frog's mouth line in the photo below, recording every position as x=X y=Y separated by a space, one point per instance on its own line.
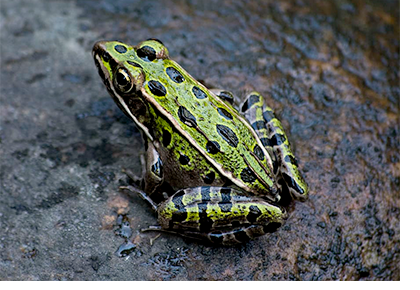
x=118 y=99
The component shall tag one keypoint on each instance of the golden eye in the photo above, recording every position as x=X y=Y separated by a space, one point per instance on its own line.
x=123 y=80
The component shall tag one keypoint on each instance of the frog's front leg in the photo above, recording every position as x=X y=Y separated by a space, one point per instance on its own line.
x=153 y=178
x=221 y=215
x=150 y=184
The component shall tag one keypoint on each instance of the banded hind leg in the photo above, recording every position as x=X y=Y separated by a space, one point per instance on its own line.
x=272 y=135
x=220 y=215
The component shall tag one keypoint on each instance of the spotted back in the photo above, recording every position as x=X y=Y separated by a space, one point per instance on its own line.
x=216 y=130
x=171 y=106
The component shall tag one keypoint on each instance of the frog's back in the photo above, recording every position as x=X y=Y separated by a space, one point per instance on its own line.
x=216 y=131
x=193 y=129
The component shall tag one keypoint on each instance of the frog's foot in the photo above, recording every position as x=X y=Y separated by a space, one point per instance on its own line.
x=153 y=228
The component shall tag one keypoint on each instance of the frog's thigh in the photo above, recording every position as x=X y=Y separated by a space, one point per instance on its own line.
x=221 y=214
x=253 y=111
x=289 y=167
x=153 y=177
x=274 y=139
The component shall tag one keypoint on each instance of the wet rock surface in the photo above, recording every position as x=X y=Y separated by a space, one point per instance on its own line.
x=329 y=69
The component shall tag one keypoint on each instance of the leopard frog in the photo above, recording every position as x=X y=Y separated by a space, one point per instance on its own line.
x=228 y=168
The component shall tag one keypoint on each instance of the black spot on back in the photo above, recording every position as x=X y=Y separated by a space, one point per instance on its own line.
x=228 y=135
x=258 y=152
x=186 y=117
x=174 y=74
x=212 y=147
x=247 y=175
x=225 y=114
x=157 y=88
x=198 y=93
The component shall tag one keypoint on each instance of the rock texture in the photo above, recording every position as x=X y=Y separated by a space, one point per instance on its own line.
x=330 y=70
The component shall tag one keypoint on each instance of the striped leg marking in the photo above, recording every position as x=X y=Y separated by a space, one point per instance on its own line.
x=274 y=139
x=221 y=214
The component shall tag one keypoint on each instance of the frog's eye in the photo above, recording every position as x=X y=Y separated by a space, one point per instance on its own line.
x=123 y=80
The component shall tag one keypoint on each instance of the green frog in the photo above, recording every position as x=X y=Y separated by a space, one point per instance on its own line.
x=228 y=168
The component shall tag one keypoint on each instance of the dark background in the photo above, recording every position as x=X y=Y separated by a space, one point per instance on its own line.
x=329 y=69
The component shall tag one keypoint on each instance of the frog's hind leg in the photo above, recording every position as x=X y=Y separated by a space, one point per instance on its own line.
x=226 y=96
x=273 y=137
x=221 y=215
x=253 y=110
x=288 y=165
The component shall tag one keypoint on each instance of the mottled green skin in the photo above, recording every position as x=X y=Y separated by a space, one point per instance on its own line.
x=202 y=143
x=197 y=167
x=232 y=160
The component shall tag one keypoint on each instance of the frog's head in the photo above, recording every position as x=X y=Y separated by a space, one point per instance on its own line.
x=123 y=70
x=122 y=67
